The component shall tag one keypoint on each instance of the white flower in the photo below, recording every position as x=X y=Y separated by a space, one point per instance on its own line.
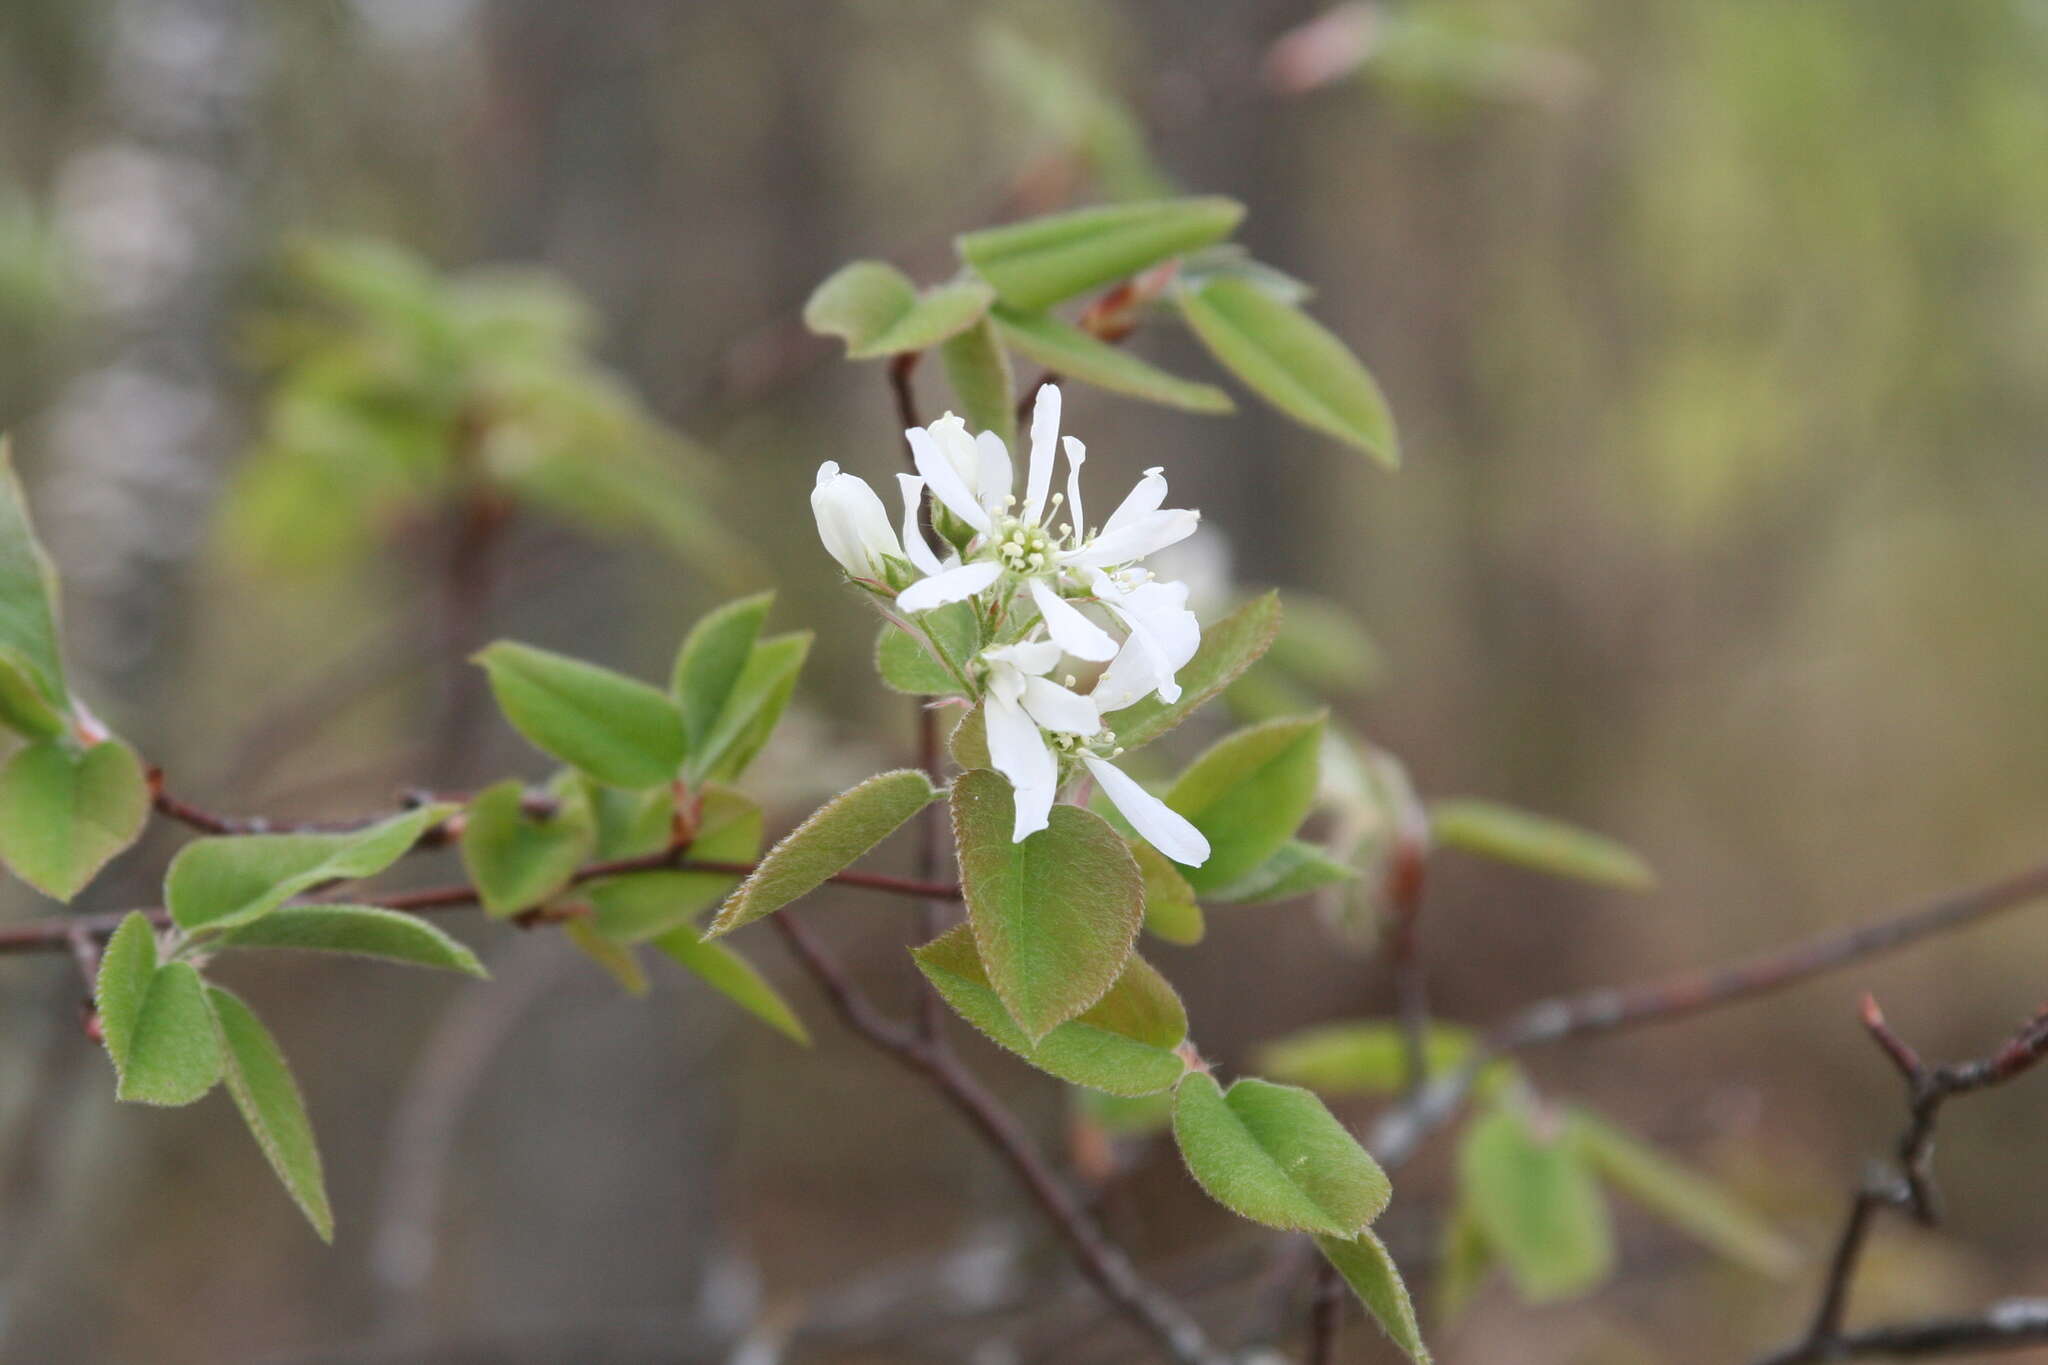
x=1032 y=720
x=1164 y=635
x=852 y=522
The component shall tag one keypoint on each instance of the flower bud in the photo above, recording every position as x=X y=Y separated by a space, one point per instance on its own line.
x=852 y=522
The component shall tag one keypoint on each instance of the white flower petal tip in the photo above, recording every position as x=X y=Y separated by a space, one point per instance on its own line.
x=1157 y=823
x=948 y=586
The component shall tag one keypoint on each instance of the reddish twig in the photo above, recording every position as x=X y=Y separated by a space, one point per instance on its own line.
x=1104 y=1263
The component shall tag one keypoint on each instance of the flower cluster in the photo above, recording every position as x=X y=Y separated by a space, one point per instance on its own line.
x=1045 y=586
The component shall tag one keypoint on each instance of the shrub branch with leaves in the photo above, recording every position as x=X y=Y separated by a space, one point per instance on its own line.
x=1042 y=653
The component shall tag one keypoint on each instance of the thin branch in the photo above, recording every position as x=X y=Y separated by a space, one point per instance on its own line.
x=1105 y=1264
x=2011 y=1325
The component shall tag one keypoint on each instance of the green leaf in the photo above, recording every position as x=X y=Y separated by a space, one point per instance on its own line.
x=1228 y=648
x=1488 y=829
x=174 y=1054
x=638 y=906
x=631 y=824
x=1363 y=1057
x=1170 y=909
x=875 y=309
x=64 y=811
x=1295 y=870
x=518 y=860
x=617 y=729
x=1125 y=1044
x=1054 y=916
x=28 y=594
x=732 y=976
x=1537 y=1203
x=220 y=883
x=1366 y=1266
x=23 y=707
x=836 y=835
x=758 y=697
x=1467 y=1258
x=1293 y=362
x=361 y=930
x=1041 y=261
x=1248 y=795
x=263 y=1089
x=1066 y=349
x=620 y=960
x=126 y=967
x=978 y=368
x=1689 y=1202
x=711 y=660
x=1275 y=1155
x=906 y=660
x=968 y=744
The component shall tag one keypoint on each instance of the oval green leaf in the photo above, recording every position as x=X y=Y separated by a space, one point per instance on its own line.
x=174 y=1056
x=617 y=729
x=1054 y=916
x=1293 y=362
x=28 y=593
x=261 y=1083
x=709 y=664
x=978 y=369
x=1367 y=1267
x=1038 y=263
x=1248 y=794
x=65 y=811
x=126 y=967
x=517 y=859
x=759 y=696
x=1296 y=869
x=219 y=883
x=733 y=977
x=360 y=930
x=1171 y=912
x=1537 y=1203
x=1274 y=1154
x=1488 y=829
x=1066 y=349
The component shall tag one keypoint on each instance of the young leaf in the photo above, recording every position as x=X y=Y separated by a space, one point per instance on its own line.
x=28 y=594
x=1362 y=1057
x=23 y=707
x=1170 y=909
x=263 y=1089
x=1365 y=1265
x=631 y=824
x=1054 y=916
x=710 y=662
x=1124 y=1044
x=756 y=703
x=732 y=976
x=968 y=744
x=875 y=309
x=1690 y=1203
x=362 y=930
x=518 y=860
x=1248 y=795
x=174 y=1055
x=908 y=665
x=617 y=729
x=1062 y=347
x=637 y=907
x=1293 y=362
x=1275 y=1155
x=64 y=811
x=223 y=882
x=1228 y=648
x=1537 y=1203
x=1039 y=262
x=620 y=960
x=1467 y=1258
x=836 y=835
x=1295 y=870
x=978 y=368
x=126 y=968
x=1504 y=834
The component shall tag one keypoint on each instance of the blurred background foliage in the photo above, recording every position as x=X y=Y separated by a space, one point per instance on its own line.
x=1714 y=335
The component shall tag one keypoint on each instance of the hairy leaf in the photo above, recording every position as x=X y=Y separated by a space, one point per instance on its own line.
x=126 y=968
x=710 y=662
x=220 y=883
x=1274 y=1154
x=65 y=811
x=1292 y=361
x=1248 y=794
x=1296 y=869
x=1042 y=261
x=756 y=703
x=978 y=368
x=263 y=1089
x=732 y=976
x=1171 y=912
x=1366 y=1266
x=836 y=835
x=1505 y=834
x=1124 y=1044
x=1054 y=916
x=634 y=907
x=174 y=1056
x=875 y=309
x=1228 y=648
x=360 y=930
x=1537 y=1203
x=23 y=707
x=617 y=729
x=518 y=860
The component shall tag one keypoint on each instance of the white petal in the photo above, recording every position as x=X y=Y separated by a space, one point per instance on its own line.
x=1133 y=675
x=915 y=549
x=1145 y=496
x=943 y=479
x=1045 y=438
x=994 y=475
x=852 y=521
x=1018 y=751
x=1159 y=824
x=1054 y=707
x=953 y=585
x=1134 y=540
x=1163 y=607
x=953 y=438
x=1031 y=657
x=1075 y=633
x=1077 y=455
